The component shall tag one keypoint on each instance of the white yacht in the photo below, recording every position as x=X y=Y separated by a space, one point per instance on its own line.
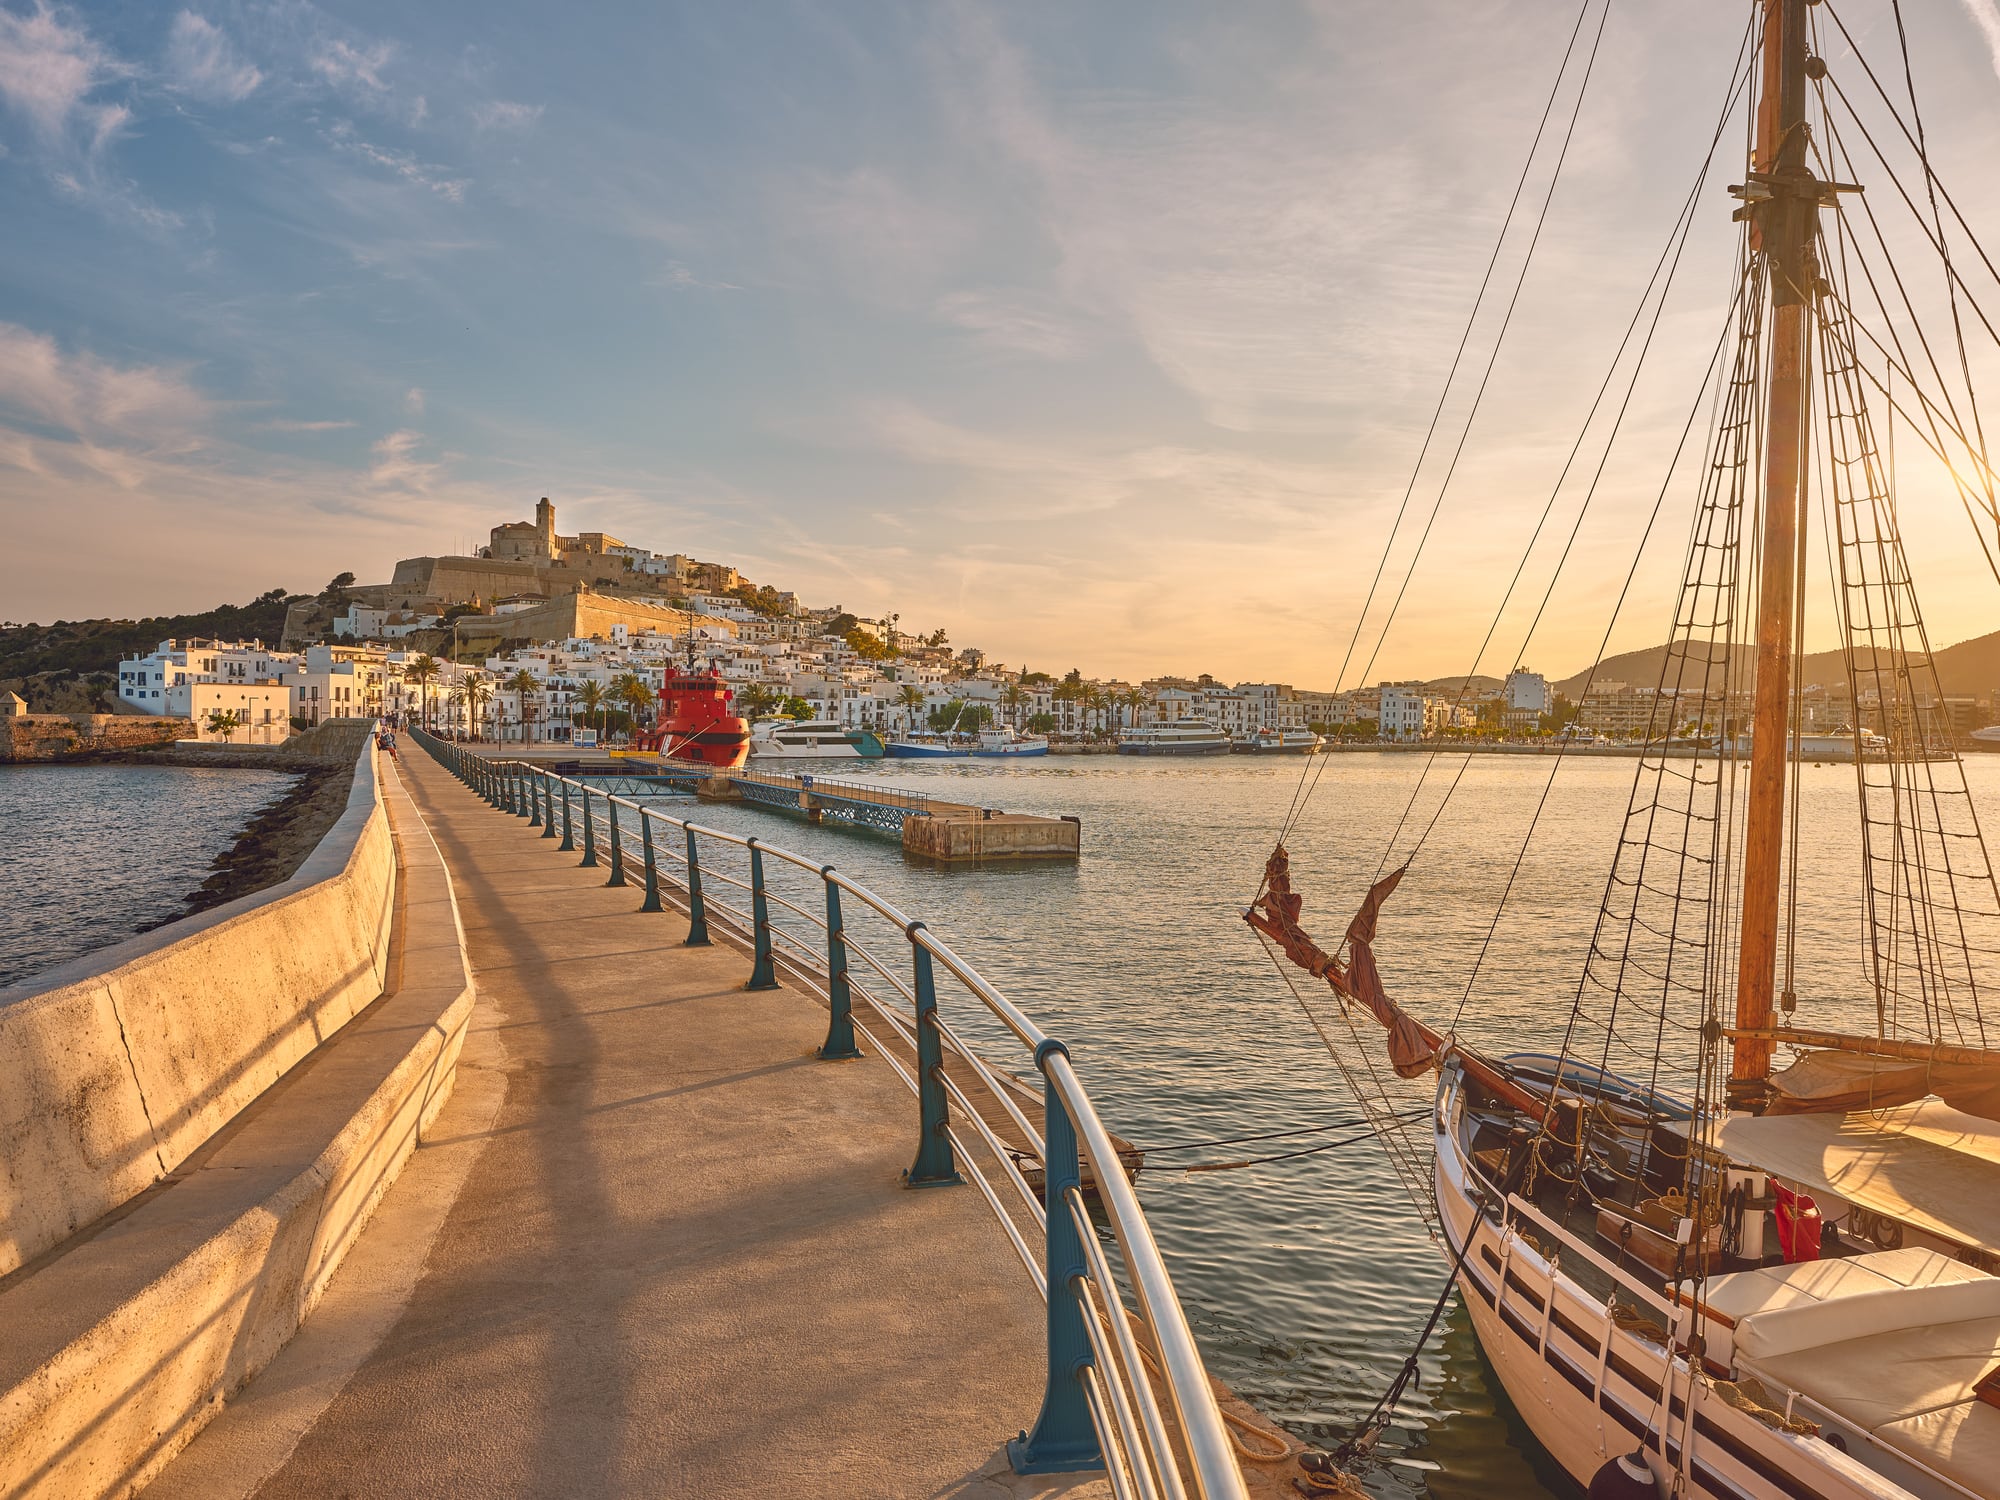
x=812 y=739
x=1180 y=737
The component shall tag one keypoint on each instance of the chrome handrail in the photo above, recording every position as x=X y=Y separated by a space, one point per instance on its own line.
x=1099 y=1406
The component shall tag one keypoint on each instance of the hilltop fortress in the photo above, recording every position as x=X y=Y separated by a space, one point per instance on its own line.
x=531 y=583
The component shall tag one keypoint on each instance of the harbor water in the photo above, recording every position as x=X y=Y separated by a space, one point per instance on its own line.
x=1307 y=1279
x=95 y=853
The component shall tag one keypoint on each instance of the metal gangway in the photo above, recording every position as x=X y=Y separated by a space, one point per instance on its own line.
x=1126 y=1389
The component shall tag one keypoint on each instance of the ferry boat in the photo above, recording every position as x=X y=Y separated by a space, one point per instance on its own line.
x=695 y=723
x=1179 y=737
x=812 y=739
x=1269 y=741
x=1758 y=1263
x=1004 y=742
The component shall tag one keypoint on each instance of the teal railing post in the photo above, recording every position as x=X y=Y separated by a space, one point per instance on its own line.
x=934 y=1166
x=617 y=848
x=524 y=795
x=548 y=805
x=840 y=999
x=1064 y=1439
x=763 y=972
x=589 y=860
x=697 y=908
x=568 y=845
x=536 y=779
x=652 y=901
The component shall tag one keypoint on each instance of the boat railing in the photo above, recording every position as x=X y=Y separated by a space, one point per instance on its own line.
x=1125 y=1387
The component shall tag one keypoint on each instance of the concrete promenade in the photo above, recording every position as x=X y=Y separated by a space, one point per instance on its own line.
x=651 y=1247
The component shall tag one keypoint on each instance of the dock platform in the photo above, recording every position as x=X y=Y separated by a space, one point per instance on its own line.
x=930 y=828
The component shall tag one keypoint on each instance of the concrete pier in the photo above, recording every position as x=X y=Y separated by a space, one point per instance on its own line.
x=651 y=1246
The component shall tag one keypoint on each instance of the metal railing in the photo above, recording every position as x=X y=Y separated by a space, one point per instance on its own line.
x=1108 y=1364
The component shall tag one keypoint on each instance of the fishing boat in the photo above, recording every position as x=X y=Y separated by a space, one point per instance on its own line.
x=812 y=739
x=929 y=746
x=695 y=723
x=1269 y=741
x=1735 y=1234
x=1005 y=743
x=1176 y=737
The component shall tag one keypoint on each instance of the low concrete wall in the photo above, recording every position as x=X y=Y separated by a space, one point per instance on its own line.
x=115 y=1067
x=120 y=1346
x=45 y=737
x=1005 y=836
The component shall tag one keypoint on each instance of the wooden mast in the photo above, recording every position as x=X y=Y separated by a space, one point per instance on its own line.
x=1783 y=198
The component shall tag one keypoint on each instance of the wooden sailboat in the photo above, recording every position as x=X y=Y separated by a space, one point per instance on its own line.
x=1698 y=1266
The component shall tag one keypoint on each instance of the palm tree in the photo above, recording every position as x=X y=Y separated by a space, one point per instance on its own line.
x=631 y=692
x=756 y=700
x=472 y=693
x=422 y=672
x=911 y=697
x=522 y=683
x=1013 y=698
x=590 y=698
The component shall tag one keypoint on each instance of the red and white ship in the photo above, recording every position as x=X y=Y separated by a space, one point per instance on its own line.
x=696 y=723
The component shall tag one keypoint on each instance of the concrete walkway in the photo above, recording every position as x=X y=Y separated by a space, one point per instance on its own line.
x=652 y=1247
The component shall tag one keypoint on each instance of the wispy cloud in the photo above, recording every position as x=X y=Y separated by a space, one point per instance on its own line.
x=347 y=65
x=49 y=68
x=1012 y=321
x=81 y=396
x=677 y=277
x=504 y=114
x=403 y=164
x=397 y=468
x=413 y=401
x=1986 y=16
x=202 y=61
x=291 y=424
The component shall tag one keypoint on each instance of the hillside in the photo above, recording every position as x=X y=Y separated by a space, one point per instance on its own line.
x=1969 y=667
x=71 y=666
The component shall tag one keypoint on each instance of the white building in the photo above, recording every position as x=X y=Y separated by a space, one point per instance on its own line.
x=1527 y=692
x=157 y=683
x=237 y=713
x=1401 y=712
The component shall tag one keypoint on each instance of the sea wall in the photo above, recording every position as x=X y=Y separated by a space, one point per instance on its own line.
x=115 y=1067
x=44 y=737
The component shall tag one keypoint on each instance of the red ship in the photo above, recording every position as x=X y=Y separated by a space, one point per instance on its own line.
x=695 y=722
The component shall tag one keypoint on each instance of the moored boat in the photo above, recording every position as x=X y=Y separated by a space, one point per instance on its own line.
x=929 y=746
x=1005 y=743
x=1177 y=737
x=812 y=739
x=1269 y=741
x=696 y=723
x=1760 y=1261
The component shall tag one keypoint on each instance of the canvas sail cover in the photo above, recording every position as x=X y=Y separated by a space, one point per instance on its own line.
x=1412 y=1050
x=1830 y=1082
x=1925 y=1164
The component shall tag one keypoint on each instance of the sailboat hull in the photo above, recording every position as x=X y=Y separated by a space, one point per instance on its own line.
x=1590 y=1390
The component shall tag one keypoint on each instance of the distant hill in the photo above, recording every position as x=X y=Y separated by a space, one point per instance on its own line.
x=70 y=666
x=1969 y=667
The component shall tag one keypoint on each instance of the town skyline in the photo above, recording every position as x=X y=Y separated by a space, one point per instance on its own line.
x=897 y=307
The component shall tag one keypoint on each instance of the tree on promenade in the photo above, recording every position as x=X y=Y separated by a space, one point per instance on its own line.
x=1013 y=698
x=633 y=694
x=423 y=672
x=472 y=694
x=521 y=684
x=590 y=697
x=224 y=722
x=911 y=698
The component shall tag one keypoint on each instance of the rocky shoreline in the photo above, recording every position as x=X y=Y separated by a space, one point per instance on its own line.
x=276 y=842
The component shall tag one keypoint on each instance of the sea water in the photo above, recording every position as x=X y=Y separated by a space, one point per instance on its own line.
x=91 y=854
x=1306 y=1280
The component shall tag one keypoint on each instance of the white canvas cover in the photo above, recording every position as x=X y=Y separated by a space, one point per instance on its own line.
x=1927 y=1164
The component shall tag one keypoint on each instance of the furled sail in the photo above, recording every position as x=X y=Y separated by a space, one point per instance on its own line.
x=1413 y=1048
x=1837 y=1082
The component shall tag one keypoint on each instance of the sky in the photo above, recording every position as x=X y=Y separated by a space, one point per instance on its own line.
x=1100 y=336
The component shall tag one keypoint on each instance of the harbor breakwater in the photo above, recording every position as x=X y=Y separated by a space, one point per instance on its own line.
x=168 y=1216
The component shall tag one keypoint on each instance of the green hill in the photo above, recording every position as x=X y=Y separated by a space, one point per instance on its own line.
x=72 y=665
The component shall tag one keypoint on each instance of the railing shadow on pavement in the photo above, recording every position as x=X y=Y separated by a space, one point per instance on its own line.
x=1108 y=1364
